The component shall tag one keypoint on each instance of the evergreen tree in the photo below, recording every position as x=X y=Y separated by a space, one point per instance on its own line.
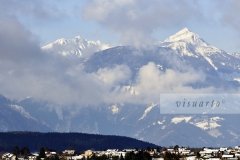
x=46 y=149
x=42 y=153
x=176 y=147
x=56 y=157
x=25 y=151
x=121 y=157
x=115 y=158
x=148 y=148
x=146 y=156
x=16 y=151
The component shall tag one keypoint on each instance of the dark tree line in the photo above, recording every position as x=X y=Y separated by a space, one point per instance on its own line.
x=62 y=141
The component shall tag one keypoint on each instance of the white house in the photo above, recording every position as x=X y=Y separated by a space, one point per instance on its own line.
x=8 y=156
x=74 y=157
x=88 y=153
x=223 y=149
x=214 y=159
x=237 y=147
x=129 y=150
x=237 y=155
x=227 y=156
x=191 y=158
x=32 y=157
x=69 y=151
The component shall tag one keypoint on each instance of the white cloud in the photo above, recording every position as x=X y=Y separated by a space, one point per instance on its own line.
x=35 y=10
x=114 y=76
x=136 y=20
x=228 y=15
x=228 y=11
x=151 y=82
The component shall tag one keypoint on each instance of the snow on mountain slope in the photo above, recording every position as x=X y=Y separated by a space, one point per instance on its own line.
x=207 y=123
x=185 y=35
x=22 y=111
x=114 y=109
x=77 y=47
x=235 y=54
x=147 y=110
x=187 y=43
x=14 y=117
x=185 y=38
x=179 y=119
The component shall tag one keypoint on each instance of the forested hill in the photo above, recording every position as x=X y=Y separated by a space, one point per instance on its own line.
x=61 y=141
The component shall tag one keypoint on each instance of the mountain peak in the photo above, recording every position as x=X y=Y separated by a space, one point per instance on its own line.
x=185 y=30
x=61 y=41
x=185 y=35
x=75 y=47
x=78 y=37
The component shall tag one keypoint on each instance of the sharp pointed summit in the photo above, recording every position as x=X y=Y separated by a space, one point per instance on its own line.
x=185 y=35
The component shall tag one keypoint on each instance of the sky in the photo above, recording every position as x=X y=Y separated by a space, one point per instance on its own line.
x=26 y=25
x=113 y=21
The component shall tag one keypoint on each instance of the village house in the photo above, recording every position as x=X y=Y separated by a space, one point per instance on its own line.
x=88 y=153
x=32 y=157
x=237 y=148
x=182 y=153
x=8 y=156
x=50 y=153
x=78 y=157
x=223 y=149
x=69 y=152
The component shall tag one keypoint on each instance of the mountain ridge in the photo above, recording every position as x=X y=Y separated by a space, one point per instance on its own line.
x=134 y=78
x=14 y=117
x=77 y=47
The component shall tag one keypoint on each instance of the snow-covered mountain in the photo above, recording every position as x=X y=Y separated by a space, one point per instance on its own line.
x=187 y=43
x=14 y=117
x=184 y=54
x=75 y=48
